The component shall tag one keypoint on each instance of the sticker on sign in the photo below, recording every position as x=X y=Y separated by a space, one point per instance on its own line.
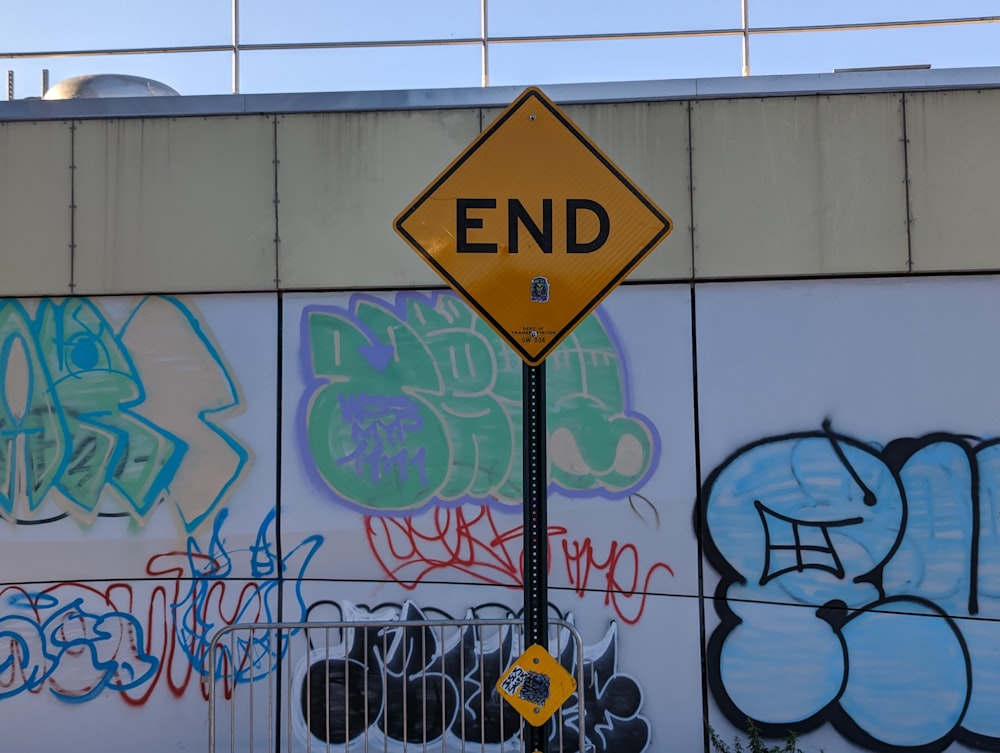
x=533 y=225
x=536 y=685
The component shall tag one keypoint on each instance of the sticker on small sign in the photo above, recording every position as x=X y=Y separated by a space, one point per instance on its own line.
x=539 y=290
x=536 y=685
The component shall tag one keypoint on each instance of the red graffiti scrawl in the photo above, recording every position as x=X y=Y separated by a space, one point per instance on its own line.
x=411 y=550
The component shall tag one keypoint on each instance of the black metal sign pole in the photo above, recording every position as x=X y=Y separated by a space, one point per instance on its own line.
x=536 y=566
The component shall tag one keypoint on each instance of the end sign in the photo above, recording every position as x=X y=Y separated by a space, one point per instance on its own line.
x=533 y=225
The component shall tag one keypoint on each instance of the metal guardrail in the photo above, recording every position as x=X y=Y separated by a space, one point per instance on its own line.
x=393 y=685
x=235 y=47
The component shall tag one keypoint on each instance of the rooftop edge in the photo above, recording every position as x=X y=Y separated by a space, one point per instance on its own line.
x=800 y=84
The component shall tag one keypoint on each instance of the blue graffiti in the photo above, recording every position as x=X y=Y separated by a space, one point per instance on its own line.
x=250 y=659
x=49 y=634
x=77 y=642
x=860 y=586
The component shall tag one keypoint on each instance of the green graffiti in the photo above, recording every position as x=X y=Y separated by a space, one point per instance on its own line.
x=91 y=415
x=34 y=436
x=420 y=402
x=91 y=376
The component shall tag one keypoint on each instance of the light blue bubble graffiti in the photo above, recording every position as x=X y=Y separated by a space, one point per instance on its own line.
x=860 y=586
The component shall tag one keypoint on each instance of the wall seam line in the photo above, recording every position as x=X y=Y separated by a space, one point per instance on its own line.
x=72 y=207
x=696 y=432
x=277 y=201
x=906 y=184
x=278 y=449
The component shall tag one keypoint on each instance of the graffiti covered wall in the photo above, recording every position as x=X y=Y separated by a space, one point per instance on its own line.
x=768 y=500
x=142 y=509
x=172 y=465
x=138 y=504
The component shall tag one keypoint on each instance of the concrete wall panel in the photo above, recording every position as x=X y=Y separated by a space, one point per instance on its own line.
x=35 y=198
x=954 y=161
x=175 y=204
x=797 y=186
x=649 y=143
x=343 y=178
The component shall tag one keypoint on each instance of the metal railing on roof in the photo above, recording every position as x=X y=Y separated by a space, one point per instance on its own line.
x=485 y=41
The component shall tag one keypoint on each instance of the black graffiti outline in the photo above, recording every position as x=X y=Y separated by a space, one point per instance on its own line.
x=613 y=718
x=798 y=547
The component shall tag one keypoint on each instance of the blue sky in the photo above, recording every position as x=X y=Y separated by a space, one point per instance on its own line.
x=34 y=26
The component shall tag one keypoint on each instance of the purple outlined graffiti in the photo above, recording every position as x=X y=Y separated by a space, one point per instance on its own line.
x=416 y=402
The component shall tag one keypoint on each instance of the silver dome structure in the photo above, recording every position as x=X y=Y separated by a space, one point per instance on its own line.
x=100 y=85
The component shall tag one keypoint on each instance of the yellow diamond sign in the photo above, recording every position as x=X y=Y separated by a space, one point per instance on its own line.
x=536 y=685
x=533 y=225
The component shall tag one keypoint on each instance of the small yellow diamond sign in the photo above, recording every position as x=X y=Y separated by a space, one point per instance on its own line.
x=536 y=685
x=533 y=225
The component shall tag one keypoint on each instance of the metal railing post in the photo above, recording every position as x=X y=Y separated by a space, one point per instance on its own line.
x=236 y=46
x=746 y=37
x=484 y=30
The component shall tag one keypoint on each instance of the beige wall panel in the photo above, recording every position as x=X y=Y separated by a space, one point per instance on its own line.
x=954 y=161
x=35 y=180
x=649 y=143
x=170 y=204
x=344 y=177
x=799 y=185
